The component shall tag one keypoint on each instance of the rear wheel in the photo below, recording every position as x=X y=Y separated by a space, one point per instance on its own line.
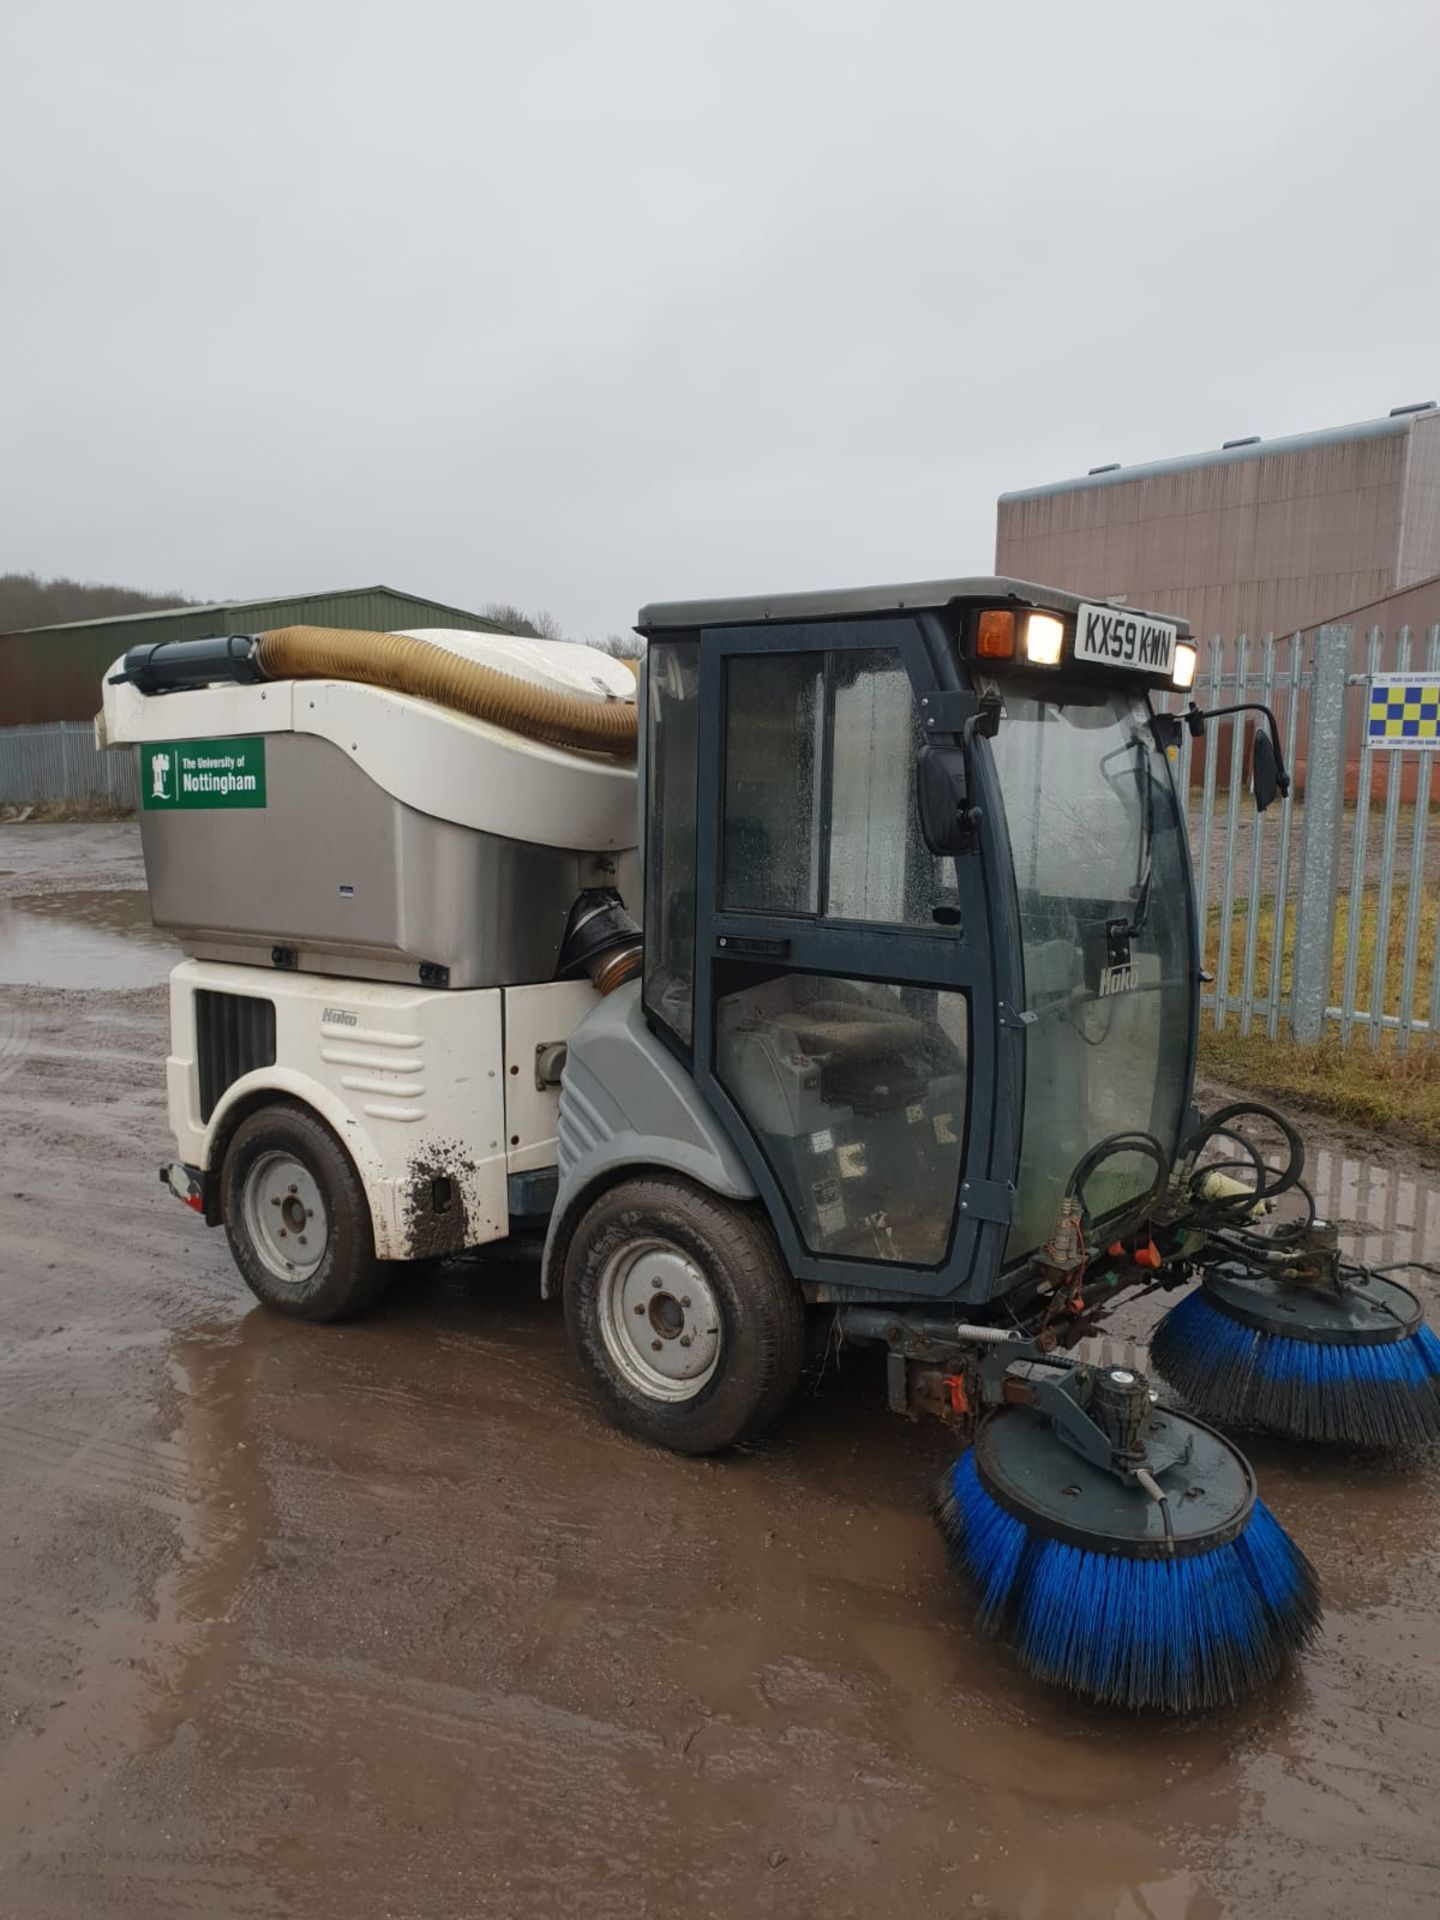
x=297 y=1218
x=683 y=1313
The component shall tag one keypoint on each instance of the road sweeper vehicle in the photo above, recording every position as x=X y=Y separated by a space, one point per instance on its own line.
x=906 y=1048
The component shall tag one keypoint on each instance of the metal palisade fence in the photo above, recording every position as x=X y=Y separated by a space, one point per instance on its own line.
x=57 y=764
x=1320 y=915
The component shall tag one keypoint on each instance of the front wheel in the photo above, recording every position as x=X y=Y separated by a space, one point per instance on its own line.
x=297 y=1218
x=681 y=1310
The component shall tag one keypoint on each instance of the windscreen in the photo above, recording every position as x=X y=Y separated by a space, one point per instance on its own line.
x=1095 y=836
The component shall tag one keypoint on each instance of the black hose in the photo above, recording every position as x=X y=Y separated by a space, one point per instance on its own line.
x=1234 y=1210
x=1107 y=1149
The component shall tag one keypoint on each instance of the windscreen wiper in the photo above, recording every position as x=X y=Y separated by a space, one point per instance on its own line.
x=1119 y=933
x=1143 y=886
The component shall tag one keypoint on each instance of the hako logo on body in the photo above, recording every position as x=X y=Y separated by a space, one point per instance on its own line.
x=181 y=774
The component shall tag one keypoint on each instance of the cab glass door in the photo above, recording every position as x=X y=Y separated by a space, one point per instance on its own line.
x=838 y=988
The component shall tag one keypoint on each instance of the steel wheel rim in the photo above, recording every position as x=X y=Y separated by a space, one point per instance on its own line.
x=285 y=1217
x=660 y=1320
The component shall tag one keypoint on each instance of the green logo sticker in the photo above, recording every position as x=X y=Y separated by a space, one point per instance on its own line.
x=202 y=773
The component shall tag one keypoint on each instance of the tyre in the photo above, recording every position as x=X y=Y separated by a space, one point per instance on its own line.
x=682 y=1312
x=297 y=1218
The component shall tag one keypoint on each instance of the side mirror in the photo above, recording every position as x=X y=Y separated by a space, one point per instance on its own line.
x=1264 y=771
x=943 y=793
x=1267 y=767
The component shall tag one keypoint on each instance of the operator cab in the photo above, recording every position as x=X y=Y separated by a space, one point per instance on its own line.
x=918 y=913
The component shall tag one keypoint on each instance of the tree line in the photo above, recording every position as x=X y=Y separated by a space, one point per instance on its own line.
x=544 y=626
x=28 y=601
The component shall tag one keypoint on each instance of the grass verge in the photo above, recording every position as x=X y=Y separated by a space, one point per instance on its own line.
x=63 y=812
x=1398 y=1093
x=1378 y=1086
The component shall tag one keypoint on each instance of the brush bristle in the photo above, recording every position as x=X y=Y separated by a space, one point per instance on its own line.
x=1239 y=1376
x=1179 y=1634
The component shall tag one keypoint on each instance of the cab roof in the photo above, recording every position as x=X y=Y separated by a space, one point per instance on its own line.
x=836 y=603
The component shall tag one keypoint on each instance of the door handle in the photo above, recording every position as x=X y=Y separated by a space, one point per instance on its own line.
x=745 y=944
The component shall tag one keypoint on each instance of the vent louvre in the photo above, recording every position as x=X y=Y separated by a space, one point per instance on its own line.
x=234 y=1034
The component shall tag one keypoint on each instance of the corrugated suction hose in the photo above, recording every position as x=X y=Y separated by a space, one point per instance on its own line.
x=406 y=665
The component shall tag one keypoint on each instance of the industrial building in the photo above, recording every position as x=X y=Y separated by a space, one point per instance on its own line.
x=1256 y=537
x=54 y=673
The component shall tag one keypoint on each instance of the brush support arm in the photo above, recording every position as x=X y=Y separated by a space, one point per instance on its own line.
x=1103 y=1415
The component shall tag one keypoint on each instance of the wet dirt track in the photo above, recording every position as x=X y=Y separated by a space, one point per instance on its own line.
x=384 y=1620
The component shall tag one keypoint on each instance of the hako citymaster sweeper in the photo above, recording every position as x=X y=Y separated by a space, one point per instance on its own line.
x=909 y=1050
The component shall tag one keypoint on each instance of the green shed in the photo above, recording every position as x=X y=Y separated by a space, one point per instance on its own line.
x=54 y=673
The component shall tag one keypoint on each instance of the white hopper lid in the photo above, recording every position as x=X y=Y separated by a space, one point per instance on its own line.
x=564 y=666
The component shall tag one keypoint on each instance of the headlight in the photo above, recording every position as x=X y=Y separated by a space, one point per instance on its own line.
x=1184 y=670
x=1044 y=639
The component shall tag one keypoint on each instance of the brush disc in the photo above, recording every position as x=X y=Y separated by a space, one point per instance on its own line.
x=1072 y=1568
x=1360 y=1369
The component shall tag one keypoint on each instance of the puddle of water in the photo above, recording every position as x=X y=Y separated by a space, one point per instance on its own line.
x=1386 y=1207
x=1383 y=1213
x=83 y=940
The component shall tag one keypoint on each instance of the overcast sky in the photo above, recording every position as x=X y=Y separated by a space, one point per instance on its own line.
x=583 y=305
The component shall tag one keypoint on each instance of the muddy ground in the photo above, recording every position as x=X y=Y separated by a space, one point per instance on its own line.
x=383 y=1620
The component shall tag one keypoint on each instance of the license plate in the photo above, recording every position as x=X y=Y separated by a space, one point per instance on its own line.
x=1113 y=637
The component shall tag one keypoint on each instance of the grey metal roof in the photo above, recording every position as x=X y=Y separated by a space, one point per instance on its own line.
x=836 y=602
x=1225 y=456
x=233 y=606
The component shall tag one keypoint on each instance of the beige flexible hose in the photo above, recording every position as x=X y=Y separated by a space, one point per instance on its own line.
x=407 y=665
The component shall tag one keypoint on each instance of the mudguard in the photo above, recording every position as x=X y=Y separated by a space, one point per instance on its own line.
x=626 y=1103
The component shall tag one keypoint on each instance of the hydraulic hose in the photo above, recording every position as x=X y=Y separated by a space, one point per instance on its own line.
x=1213 y=1211
x=405 y=665
x=1107 y=1149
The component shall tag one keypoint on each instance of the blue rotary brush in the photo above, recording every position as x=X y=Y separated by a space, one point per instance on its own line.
x=1351 y=1363
x=1187 y=1601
